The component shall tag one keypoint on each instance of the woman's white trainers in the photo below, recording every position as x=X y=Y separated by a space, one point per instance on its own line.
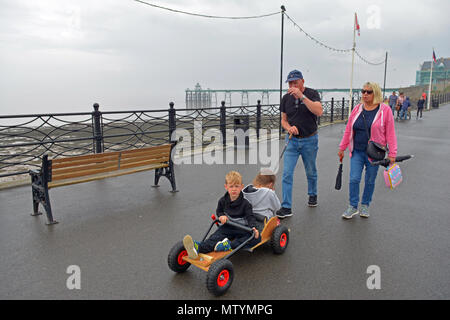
x=364 y=211
x=350 y=212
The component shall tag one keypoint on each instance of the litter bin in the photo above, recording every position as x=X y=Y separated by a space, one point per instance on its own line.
x=435 y=103
x=241 y=133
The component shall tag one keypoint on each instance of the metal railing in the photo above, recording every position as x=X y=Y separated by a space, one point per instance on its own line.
x=24 y=139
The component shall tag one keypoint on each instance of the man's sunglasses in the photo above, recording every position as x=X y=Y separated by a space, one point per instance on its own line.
x=367 y=91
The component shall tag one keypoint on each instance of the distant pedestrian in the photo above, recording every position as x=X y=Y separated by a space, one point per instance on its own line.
x=404 y=109
x=420 y=105
x=393 y=101
x=299 y=109
x=401 y=98
x=370 y=120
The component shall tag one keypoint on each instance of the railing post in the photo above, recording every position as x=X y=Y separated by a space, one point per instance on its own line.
x=98 y=132
x=343 y=105
x=258 y=118
x=332 y=110
x=172 y=120
x=223 y=123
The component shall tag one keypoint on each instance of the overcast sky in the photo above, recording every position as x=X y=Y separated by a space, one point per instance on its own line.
x=64 y=55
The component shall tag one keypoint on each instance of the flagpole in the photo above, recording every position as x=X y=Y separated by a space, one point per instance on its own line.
x=385 y=69
x=429 y=87
x=353 y=61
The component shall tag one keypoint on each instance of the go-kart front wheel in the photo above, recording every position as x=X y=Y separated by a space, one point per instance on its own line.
x=280 y=239
x=175 y=258
x=220 y=276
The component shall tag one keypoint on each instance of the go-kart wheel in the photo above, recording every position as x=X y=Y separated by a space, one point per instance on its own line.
x=220 y=276
x=280 y=239
x=175 y=258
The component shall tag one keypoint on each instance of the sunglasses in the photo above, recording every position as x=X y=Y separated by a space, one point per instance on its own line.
x=367 y=91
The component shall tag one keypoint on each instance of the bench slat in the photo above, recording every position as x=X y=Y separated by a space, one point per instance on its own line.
x=91 y=157
x=82 y=173
x=56 y=172
x=80 y=162
x=99 y=176
x=109 y=154
x=156 y=148
x=160 y=157
x=143 y=163
x=151 y=154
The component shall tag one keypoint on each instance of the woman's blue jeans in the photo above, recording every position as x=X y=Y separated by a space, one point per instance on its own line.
x=358 y=160
x=306 y=148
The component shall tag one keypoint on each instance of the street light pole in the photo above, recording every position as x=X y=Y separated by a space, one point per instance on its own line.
x=283 y=9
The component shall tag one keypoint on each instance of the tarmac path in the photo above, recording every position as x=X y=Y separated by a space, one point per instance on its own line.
x=120 y=230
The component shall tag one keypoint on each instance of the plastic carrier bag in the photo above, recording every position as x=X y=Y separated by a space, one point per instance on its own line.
x=393 y=176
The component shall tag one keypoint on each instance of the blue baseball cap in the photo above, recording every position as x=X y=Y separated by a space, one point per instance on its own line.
x=294 y=75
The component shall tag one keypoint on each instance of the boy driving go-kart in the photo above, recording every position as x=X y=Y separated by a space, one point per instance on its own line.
x=236 y=230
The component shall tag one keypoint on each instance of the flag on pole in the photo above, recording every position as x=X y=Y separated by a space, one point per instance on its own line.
x=434 y=57
x=357 y=24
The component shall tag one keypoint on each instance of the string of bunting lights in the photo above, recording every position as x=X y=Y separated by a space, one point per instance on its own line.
x=263 y=16
x=314 y=39
x=208 y=16
x=331 y=48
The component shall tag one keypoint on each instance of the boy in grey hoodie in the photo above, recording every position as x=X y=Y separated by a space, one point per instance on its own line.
x=262 y=196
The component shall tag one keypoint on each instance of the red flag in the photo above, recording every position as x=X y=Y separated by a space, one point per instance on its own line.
x=357 y=24
x=434 y=57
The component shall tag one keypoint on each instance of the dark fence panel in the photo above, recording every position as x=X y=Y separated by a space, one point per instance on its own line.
x=24 y=139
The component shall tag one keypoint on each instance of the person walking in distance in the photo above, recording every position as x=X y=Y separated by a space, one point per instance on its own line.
x=299 y=108
x=393 y=101
x=420 y=105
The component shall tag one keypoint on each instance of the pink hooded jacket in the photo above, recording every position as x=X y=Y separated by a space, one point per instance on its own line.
x=382 y=130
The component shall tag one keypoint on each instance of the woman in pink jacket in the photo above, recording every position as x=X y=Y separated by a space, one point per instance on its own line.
x=376 y=118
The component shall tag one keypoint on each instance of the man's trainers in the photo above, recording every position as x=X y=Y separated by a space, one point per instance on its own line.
x=284 y=213
x=312 y=202
x=364 y=211
x=191 y=247
x=350 y=212
x=223 y=245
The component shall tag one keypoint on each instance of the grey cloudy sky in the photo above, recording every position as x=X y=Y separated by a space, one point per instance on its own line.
x=62 y=55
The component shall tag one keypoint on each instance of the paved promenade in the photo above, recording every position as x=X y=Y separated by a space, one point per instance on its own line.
x=120 y=230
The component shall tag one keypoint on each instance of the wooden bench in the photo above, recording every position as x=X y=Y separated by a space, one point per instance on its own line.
x=71 y=170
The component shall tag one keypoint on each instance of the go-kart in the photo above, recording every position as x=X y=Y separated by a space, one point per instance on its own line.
x=217 y=264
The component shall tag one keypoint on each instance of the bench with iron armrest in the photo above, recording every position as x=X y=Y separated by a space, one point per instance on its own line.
x=71 y=170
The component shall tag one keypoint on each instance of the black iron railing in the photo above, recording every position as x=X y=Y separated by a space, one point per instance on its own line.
x=24 y=139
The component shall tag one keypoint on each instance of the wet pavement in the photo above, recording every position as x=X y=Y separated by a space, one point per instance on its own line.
x=120 y=230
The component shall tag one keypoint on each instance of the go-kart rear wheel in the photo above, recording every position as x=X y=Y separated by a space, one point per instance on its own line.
x=280 y=239
x=220 y=276
x=175 y=258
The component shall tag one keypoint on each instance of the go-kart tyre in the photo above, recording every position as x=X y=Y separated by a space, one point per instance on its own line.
x=220 y=276
x=280 y=239
x=175 y=258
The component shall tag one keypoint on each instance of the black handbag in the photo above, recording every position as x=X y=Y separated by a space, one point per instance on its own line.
x=374 y=150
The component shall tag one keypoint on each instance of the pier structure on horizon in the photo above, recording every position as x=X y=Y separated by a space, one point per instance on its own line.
x=199 y=98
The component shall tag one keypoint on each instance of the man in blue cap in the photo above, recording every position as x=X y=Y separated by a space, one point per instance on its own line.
x=299 y=109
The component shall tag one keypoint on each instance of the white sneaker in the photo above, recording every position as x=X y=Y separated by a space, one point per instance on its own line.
x=350 y=212
x=190 y=247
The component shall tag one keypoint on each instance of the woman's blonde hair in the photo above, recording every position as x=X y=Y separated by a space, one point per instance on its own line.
x=377 y=95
